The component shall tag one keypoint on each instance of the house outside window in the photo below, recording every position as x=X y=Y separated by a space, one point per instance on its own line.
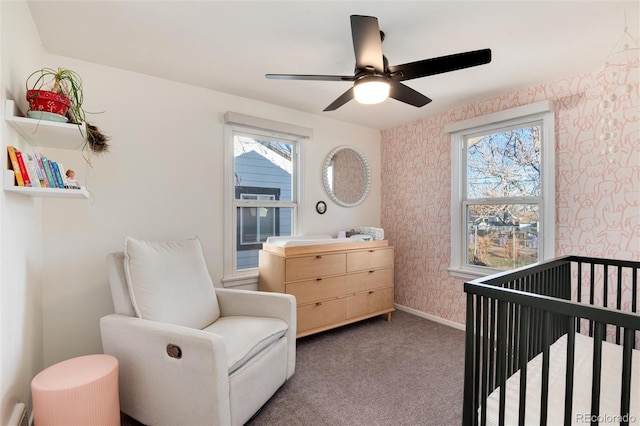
x=256 y=224
x=502 y=207
x=261 y=190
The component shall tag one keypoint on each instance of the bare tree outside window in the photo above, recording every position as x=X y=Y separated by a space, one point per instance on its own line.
x=503 y=175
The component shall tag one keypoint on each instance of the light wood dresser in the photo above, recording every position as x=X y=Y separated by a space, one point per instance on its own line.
x=334 y=284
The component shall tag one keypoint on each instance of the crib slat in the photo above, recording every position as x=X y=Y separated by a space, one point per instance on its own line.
x=579 y=295
x=597 y=369
x=625 y=395
x=634 y=291
x=469 y=395
x=619 y=301
x=500 y=370
x=516 y=337
x=634 y=296
x=478 y=352
x=510 y=336
x=492 y=338
x=544 y=394
x=591 y=294
x=485 y=349
x=571 y=351
x=605 y=286
x=535 y=336
x=524 y=343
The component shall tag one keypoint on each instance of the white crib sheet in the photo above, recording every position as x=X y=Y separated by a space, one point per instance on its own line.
x=609 y=392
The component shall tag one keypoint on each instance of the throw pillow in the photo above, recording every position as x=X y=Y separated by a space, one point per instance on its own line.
x=169 y=282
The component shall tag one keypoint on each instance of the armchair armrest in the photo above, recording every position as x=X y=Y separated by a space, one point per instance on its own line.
x=257 y=304
x=263 y=304
x=146 y=368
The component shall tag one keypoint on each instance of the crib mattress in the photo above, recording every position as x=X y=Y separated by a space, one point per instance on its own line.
x=609 y=393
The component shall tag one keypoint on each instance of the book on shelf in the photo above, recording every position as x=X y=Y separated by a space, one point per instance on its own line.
x=33 y=171
x=63 y=175
x=13 y=161
x=38 y=158
x=58 y=175
x=23 y=169
x=49 y=173
x=37 y=171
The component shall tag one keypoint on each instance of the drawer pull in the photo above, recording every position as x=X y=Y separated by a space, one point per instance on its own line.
x=371 y=291
x=318 y=303
x=318 y=256
x=371 y=251
x=318 y=279
x=371 y=272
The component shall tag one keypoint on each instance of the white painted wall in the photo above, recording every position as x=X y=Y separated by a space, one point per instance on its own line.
x=21 y=357
x=162 y=180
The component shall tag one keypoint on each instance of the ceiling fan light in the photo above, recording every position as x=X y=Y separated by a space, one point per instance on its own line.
x=371 y=90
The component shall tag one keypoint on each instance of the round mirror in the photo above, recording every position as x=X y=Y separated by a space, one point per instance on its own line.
x=346 y=176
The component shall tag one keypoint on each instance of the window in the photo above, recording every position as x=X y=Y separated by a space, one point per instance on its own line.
x=256 y=224
x=261 y=187
x=502 y=206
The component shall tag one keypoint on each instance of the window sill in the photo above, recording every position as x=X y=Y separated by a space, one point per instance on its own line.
x=245 y=280
x=468 y=274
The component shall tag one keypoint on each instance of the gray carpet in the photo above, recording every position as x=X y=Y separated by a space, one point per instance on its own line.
x=405 y=372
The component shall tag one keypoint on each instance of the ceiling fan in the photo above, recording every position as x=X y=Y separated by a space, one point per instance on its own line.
x=374 y=79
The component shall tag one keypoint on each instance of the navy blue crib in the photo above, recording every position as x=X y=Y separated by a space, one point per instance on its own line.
x=515 y=318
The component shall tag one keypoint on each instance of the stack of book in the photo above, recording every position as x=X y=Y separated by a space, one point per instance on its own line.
x=38 y=171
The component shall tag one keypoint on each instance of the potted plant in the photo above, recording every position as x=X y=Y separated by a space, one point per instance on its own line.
x=63 y=97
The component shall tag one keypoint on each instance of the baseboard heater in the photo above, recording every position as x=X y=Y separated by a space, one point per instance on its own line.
x=19 y=416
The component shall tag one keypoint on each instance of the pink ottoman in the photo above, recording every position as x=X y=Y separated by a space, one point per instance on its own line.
x=78 y=391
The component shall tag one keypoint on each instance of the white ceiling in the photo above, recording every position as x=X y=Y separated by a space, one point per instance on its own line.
x=228 y=46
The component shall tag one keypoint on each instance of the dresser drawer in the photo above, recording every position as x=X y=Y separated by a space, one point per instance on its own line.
x=369 y=280
x=318 y=289
x=302 y=268
x=320 y=314
x=369 y=259
x=369 y=301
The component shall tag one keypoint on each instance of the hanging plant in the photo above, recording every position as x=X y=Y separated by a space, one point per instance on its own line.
x=64 y=90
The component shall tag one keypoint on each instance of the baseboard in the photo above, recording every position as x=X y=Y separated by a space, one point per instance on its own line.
x=429 y=317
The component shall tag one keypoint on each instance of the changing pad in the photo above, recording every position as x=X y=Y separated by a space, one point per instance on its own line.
x=306 y=240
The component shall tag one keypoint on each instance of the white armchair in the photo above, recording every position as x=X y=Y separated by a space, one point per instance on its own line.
x=174 y=372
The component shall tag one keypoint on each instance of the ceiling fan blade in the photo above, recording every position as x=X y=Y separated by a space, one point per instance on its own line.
x=439 y=65
x=367 y=43
x=310 y=77
x=343 y=99
x=407 y=95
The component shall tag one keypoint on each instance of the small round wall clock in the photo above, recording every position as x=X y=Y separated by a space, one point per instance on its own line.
x=321 y=207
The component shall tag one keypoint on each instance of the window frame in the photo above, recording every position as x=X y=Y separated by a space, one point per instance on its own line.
x=236 y=123
x=520 y=116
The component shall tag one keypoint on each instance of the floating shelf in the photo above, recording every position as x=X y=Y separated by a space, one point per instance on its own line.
x=8 y=185
x=43 y=133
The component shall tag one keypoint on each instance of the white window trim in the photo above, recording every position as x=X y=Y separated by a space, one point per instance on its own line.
x=459 y=130
x=273 y=129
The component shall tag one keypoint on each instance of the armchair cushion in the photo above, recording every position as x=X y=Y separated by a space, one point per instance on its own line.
x=169 y=282
x=245 y=336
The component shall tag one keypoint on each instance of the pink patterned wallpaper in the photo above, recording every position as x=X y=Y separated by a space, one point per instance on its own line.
x=597 y=186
